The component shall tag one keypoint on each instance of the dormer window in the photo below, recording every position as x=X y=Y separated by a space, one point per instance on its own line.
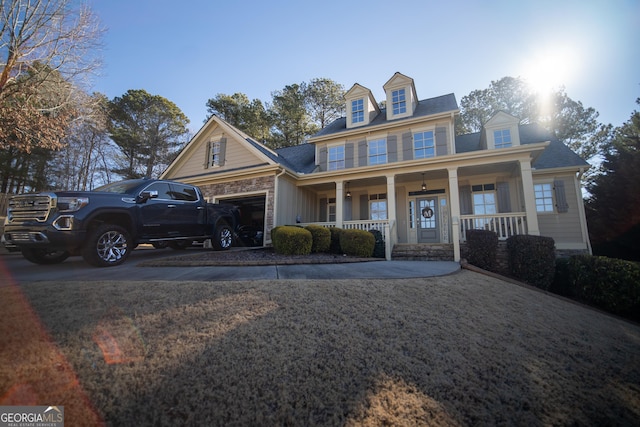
x=399 y=102
x=357 y=111
x=502 y=138
x=401 y=97
x=501 y=131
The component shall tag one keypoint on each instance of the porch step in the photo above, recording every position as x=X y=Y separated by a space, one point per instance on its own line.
x=422 y=252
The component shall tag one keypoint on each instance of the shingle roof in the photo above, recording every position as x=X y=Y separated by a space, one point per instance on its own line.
x=425 y=107
x=302 y=157
x=555 y=155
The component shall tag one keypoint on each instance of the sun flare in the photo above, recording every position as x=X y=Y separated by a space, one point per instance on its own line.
x=550 y=69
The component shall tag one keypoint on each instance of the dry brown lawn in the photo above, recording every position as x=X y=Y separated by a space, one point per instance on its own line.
x=464 y=349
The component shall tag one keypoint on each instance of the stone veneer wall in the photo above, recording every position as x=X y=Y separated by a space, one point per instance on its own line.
x=250 y=185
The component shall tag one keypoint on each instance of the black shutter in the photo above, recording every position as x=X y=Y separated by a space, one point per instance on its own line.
x=223 y=151
x=322 y=157
x=407 y=146
x=347 y=207
x=466 y=207
x=348 y=155
x=323 y=210
x=504 y=200
x=441 y=142
x=362 y=153
x=392 y=148
x=364 y=206
x=207 y=155
x=561 y=197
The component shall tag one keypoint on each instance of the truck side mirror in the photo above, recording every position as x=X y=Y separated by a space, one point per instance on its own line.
x=146 y=195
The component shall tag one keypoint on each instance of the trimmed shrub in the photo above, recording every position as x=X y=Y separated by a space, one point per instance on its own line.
x=563 y=283
x=532 y=259
x=608 y=283
x=290 y=240
x=357 y=243
x=378 y=248
x=482 y=248
x=321 y=238
x=335 y=240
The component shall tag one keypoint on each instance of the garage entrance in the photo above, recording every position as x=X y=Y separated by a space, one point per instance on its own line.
x=252 y=215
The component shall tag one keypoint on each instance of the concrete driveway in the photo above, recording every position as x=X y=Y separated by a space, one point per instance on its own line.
x=75 y=269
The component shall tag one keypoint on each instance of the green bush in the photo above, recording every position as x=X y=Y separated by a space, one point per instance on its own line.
x=290 y=240
x=379 y=250
x=321 y=238
x=335 y=247
x=482 y=248
x=357 y=243
x=563 y=284
x=608 y=283
x=532 y=259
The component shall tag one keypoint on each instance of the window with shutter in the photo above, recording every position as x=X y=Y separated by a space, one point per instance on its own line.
x=544 y=197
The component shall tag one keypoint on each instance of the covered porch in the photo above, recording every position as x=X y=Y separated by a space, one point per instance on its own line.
x=422 y=205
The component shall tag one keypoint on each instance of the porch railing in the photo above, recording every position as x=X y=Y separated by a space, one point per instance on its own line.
x=385 y=227
x=505 y=224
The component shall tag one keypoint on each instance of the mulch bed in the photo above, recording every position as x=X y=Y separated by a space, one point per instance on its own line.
x=249 y=257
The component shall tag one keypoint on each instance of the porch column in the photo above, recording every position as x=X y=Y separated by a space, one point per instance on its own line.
x=339 y=204
x=391 y=198
x=454 y=200
x=529 y=197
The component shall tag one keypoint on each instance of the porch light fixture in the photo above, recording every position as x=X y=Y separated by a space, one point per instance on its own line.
x=348 y=194
x=424 y=186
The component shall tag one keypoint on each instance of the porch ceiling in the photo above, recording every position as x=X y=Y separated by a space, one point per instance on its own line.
x=506 y=168
x=511 y=168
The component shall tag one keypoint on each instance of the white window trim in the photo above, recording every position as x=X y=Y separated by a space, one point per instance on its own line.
x=422 y=130
x=553 y=197
x=364 y=111
x=407 y=99
x=386 y=149
x=344 y=158
x=214 y=161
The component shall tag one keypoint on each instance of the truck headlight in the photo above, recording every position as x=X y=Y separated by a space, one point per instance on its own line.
x=72 y=204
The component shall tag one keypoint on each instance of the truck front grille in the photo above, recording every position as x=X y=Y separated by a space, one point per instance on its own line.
x=29 y=208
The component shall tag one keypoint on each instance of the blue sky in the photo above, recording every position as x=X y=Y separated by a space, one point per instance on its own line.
x=188 y=51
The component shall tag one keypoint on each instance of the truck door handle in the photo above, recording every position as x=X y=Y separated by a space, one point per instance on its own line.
x=171 y=206
x=200 y=208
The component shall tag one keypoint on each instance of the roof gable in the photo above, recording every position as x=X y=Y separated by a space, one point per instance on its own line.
x=241 y=151
x=555 y=155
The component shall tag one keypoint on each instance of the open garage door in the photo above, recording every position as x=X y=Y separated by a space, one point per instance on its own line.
x=252 y=215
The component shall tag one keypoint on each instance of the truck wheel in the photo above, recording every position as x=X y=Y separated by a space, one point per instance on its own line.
x=44 y=256
x=222 y=237
x=107 y=245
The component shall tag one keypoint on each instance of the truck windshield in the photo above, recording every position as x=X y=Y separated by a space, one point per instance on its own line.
x=121 y=187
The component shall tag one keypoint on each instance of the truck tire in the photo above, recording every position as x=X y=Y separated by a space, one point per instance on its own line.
x=222 y=237
x=44 y=256
x=107 y=245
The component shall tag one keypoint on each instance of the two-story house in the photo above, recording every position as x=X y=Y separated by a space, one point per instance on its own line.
x=400 y=170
